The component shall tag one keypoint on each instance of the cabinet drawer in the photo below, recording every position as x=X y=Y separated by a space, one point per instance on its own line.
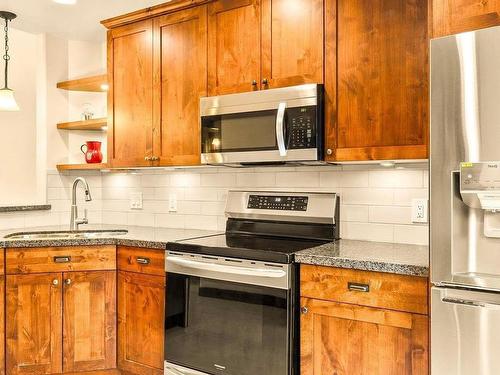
x=147 y=261
x=2 y=261
x=60 y=259
x=374 y=289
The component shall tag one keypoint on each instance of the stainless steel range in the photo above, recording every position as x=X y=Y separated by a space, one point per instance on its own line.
x=465 y=203
x=232 y=299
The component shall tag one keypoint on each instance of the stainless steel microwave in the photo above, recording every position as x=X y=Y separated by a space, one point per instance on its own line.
x=268 y=126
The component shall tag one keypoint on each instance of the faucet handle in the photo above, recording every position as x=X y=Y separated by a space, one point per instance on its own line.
x=85 y=215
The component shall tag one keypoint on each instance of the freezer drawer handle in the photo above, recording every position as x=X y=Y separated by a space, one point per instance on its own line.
x=467 y=302
x=356 y=287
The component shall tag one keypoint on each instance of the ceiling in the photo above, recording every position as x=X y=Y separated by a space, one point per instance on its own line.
x=79 y=22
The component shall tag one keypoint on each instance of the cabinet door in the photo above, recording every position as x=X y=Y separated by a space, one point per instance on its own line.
x=130 y=96
x=141 y=316
x=234 y=46
x=382 y=65
x=33 y=324
x=89 y=340
x=180 y=81
x=2 y=324
x=292 y=42
x=458 y=16
x=350 y=339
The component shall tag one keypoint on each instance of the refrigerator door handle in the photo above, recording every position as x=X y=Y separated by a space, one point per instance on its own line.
x=472 y=303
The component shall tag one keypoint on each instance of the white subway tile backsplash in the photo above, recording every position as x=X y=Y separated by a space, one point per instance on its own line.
x=218 y=179
x=396 y=178
x=256 y=180
x=367 y=231
x=375 y=201
x=367 y=196
x=354 y=213
x=411 y=234
x=297 y=179
x=390 y=214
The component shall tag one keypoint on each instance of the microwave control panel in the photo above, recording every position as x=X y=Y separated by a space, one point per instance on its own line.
x=301 y=127
x=273 y=202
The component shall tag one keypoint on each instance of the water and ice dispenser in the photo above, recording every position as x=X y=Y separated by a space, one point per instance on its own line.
x=480 y=189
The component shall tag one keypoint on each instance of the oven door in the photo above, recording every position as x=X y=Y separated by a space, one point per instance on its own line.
x=219 y=322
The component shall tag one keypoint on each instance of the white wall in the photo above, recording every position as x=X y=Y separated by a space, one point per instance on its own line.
x=20 y=180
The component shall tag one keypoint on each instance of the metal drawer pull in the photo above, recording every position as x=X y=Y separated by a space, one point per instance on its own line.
x=355 y=287
x=63 y=259
x=144 y=261
x=466 y=302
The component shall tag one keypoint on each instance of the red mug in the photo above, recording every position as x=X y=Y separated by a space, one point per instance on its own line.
x=92 y=152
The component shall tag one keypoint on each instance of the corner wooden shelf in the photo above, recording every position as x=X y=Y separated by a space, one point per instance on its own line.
x=81 y=167
x=90 y=84
x=95 y=124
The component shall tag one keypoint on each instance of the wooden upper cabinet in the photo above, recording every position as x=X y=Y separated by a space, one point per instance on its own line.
x=234 y=46
x=141 y=316
x=180 y=65
x=457 y=16
x=382 y=63
x=34 y=324
x=89 y=341
x=350 y=339
x=292 y=42
x=130 y=96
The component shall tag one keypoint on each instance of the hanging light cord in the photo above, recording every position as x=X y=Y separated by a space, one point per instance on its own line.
x=6 y=57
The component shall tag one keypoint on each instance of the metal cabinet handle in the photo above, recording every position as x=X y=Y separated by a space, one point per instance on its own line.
x=55 y=282
x=148 y=158
x=304 y=310
x=62 y=259
x=265 y=81
x=68 y=281
x=155 y=158
x=329 y=151
x=144 y=261
x=356 y=287
x=254 y=83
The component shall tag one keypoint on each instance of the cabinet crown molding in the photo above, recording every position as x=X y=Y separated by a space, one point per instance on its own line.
x=157 y=10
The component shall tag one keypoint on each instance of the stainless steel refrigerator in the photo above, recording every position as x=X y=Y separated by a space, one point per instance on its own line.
x=465 y=203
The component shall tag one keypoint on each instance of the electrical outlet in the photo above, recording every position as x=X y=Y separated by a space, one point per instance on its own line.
x=172 y=202
x=135 y=201
x=419 y=210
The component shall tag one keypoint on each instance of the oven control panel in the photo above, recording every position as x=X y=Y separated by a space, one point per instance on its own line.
x=301 y=126
x=273 y=202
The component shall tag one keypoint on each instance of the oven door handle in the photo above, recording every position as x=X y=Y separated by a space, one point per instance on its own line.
x=219 y=268
x=280 y=129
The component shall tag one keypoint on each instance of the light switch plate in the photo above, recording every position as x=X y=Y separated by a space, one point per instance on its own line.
x=135 y=201
x=420 y=211
x=172 y=202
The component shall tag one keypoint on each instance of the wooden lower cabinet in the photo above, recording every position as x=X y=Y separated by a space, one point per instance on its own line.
x=33 y=324
x=350 y=339
x=89 y=321
x=141 y=307
x=61 y=322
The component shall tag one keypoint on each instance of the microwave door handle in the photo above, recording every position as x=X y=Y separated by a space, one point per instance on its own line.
x=218 y=268
x=280 y=129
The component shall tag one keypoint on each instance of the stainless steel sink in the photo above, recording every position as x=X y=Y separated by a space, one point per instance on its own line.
x=66 y=234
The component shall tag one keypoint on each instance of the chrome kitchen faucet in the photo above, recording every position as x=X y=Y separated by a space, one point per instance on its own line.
x=75 y=221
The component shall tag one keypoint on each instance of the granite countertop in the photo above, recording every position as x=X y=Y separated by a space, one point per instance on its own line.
x=370 y=256
x=32 y=207
x=362 y=255
x=147 y=237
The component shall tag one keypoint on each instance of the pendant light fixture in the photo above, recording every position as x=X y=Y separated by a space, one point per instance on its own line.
x=7 y=100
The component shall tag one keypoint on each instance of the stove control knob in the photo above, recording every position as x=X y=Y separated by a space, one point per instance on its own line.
x=304 y=310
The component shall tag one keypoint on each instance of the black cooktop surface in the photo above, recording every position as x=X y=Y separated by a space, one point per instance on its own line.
x=246 y=246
